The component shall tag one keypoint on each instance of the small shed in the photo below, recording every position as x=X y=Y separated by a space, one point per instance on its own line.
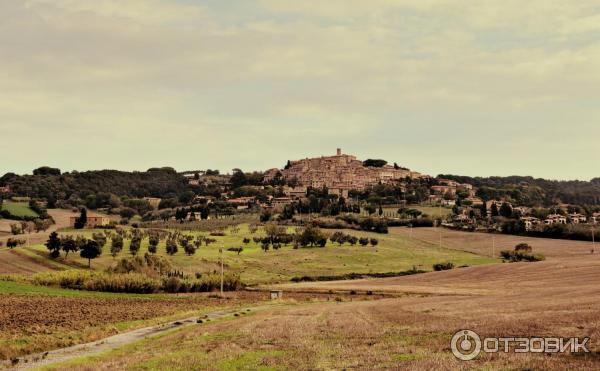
x=276 y=294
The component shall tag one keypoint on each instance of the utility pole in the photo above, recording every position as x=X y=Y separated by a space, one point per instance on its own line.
x=593 y=239
x=493 y=245
x=221 y=252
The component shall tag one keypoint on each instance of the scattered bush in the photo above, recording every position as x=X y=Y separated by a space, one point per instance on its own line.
x=523 y=247
x=238 y=250
x=518 y=256
x=443 y=266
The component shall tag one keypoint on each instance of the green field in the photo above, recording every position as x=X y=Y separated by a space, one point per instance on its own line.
x=394 y=253
x=20 y=209
x=432 y=211
x=21 y=288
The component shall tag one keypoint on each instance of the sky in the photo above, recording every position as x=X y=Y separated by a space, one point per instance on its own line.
x=465 y=87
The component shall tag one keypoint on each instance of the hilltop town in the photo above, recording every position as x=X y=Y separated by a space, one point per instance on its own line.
x=339 y=174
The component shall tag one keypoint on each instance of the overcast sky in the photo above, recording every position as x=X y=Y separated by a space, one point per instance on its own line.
x=464 y=87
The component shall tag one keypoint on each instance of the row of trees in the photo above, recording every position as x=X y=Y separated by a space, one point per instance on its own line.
x=88 y=248
x=37 y=225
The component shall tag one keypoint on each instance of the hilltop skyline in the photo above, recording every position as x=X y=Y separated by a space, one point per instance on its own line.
x=456 y=87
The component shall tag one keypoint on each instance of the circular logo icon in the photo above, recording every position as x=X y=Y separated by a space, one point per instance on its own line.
x=466 y=345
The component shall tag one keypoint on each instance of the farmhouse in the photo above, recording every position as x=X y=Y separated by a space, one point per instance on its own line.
x=93 y=221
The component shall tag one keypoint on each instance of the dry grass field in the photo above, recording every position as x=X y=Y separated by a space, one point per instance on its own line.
x=482 y=243
x=553 y=298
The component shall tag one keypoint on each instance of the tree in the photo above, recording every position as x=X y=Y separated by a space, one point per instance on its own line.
x=312 y=236
x=41 y=224
x=273 y=231
x=16 y=229
x=127 y=212
x=339 y=237
x=374 y=163
x=505 y=210
x=46 y=170
x=266 y=215
x=134 y=245
x=116 y=245
x=187 y=247
x=380 y=210
x=238 y=178
x=68 y=245
x=53 y=245
x=483 y=210
x=374 y=241
x=171 y=246
x=186 y=197
x=82 y=220
x=90 y=250
x=100 y=238
x=523 y=247
x=153 y=242
x=370 y=209
x=494 y=209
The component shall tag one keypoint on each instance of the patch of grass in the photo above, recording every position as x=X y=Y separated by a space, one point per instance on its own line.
x=12 y=287
x=407 y=357
x=253 y=360
x=19 y=209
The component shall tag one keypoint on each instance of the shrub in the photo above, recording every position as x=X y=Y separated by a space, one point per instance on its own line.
x=523 y=247
x=518 y=256
x=238 y=250
x=443 y=266
x=134 y=282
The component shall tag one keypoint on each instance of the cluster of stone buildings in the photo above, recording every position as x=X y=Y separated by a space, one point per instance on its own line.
x=445 y=192
x=552 y=219
x=340 y=173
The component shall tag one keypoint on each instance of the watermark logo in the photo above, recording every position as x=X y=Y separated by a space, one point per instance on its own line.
x=467 y=345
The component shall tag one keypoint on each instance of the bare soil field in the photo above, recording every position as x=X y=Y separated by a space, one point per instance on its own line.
x=37 y=323
x=482 y=243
